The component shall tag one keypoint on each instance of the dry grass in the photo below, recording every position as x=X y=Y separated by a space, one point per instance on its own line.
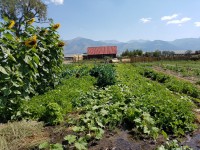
x=22 y=135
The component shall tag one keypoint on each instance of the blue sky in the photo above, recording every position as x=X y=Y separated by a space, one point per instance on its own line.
x=125 y=20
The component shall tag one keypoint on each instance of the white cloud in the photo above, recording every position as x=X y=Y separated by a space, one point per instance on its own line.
x=145 y=20
x=197 y=24
x=56 y=2
x=180 y=21
x=169 y=17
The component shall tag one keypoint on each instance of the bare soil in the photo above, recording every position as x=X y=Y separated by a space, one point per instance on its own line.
x=124 y=140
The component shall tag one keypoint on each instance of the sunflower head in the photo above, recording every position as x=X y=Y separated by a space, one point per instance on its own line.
x=56 y=26
x=34 y=37
x=31 y=42
x=31 y=21
x=61 y=44
x=11 y=24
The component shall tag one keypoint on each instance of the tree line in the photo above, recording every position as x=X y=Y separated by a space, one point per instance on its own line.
x=138 y=52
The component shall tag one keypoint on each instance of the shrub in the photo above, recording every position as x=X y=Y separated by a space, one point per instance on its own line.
x=105 y=74
x=53 y=114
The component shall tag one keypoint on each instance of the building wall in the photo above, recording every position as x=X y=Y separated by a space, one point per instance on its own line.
x=101 y=56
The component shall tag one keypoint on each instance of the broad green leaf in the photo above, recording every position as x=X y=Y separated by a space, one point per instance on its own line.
x=27 y=59
x=80 y=146
x=8 y=36
x=78 y=129
x=5 y=19
x=7 y=92
x=70 y=138
x=46 y=58
x=15 y=84
x=12 y=58
x=95 y=107
x=146 y=130
x=104 y=112
x=56 y=146
x=5 y=50
x=17 y=92
x=137 y=120
x=161 y=148
x=99 y=133
x=42 y=49
x=36 y=59
x=164 y=134
x=44 y=145
x=99 y=123
x=2 y=70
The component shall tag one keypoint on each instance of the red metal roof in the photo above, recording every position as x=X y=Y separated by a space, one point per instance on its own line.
x=102 y=50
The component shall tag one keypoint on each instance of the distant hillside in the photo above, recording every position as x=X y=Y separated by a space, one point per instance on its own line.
x=187 y=43
x=79 y=45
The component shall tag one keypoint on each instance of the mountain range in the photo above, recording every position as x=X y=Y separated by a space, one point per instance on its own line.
x=79 y=45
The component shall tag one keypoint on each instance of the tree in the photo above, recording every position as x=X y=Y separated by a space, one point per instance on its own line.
x=148 y=54
x=157 y=53
x=197 y=52
x=132 y=53
x=21 y=11
x=188 y=52
x=125 y=53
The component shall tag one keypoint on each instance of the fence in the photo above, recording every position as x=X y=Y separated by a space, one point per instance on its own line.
x=151 y=59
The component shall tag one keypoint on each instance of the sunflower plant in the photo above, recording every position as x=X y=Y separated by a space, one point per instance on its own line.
x=30 y=64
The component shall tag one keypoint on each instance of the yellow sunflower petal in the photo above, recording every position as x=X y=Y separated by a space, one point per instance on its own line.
x=11 y=24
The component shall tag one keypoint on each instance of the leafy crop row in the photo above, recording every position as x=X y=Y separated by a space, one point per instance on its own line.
x=185 y=71
x=135 y=101
x=41 y=107
x=172 y=113
x=172 y=83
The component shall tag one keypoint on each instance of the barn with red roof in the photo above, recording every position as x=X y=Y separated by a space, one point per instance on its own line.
x=102 y=51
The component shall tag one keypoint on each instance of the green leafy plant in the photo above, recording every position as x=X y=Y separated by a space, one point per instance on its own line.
x=53 y=114
x=30 y=64
x=48 y=146
x=143 y=122
x=173 y=145
x=78 y=143
x=70 y=88
x=77 y=72
x=105 y=74
x=134 y=101
x=172 y=83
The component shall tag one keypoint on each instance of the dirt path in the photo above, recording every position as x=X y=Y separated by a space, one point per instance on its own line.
x=123 y=140
x=191 y=79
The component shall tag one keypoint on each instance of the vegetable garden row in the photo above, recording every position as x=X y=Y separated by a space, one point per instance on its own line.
x=92 y=100
x=149 y=108
x=186 y=69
